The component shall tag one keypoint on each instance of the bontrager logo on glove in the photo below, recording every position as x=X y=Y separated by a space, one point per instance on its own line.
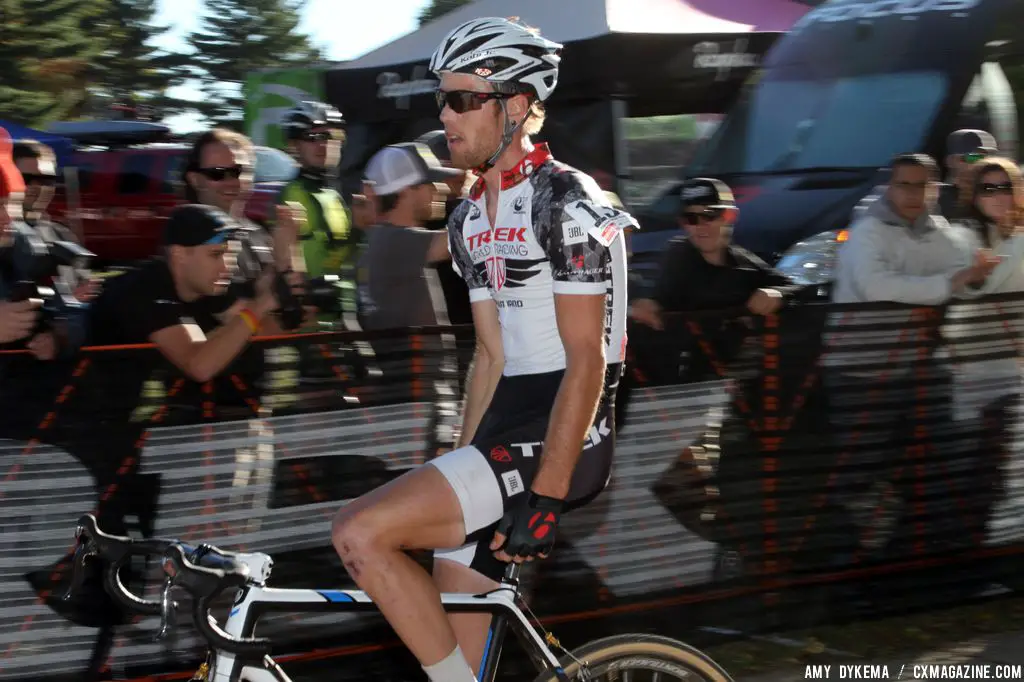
x=529 y=528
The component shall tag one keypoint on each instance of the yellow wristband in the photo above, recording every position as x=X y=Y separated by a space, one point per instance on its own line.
x=249 y=317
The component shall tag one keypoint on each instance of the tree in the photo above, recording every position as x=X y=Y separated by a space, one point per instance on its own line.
x=241 y=36
x=438 y=8
x=130 y=70
x=46 y=48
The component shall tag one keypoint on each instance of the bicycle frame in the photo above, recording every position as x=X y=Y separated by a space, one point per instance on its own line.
x=256 y=600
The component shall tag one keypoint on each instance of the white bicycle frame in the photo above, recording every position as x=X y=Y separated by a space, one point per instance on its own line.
x=241 y=622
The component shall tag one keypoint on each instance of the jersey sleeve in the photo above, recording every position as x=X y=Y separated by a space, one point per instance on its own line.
x=579 y=243
x=475 y=276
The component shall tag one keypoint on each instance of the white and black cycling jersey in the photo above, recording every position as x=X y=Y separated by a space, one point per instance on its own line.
x=554 y=233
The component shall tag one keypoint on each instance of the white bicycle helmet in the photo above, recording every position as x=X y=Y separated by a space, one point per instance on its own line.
x=502 y=51
x=305 y=115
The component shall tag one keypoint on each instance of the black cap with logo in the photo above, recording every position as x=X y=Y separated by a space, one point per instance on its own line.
x=705 y=192
x=967 y=141
x=198 y=225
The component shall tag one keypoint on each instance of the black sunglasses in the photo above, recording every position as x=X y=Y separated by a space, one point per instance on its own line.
x=993 y=188
x=218 y=173
x=461 y=101
x=319 y=136
x=706 y=216
x=39 y=179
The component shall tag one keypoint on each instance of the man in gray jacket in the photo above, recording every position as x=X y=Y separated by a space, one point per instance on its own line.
x=902 y=252
x=879 y=364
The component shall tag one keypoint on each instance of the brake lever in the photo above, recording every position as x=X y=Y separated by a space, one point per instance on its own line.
x=167 y=607
x=83 y=550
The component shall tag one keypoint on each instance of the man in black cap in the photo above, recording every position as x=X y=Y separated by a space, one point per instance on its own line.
x=456 y=293
x=177 y=301
x=963 y=149
x=703 y=270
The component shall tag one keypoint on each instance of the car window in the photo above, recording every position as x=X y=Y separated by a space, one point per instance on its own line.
x=171 y=180
x=135 y=174
x=273 y=165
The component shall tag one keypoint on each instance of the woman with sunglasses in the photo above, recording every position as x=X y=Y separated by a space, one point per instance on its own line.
x=991 y=203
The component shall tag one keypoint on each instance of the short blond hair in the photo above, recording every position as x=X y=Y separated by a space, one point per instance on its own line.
x=535 y=120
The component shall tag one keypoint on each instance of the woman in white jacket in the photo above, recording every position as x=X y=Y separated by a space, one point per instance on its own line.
x=986 y=332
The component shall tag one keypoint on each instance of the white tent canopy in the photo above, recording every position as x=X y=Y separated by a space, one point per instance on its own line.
x=573 y=20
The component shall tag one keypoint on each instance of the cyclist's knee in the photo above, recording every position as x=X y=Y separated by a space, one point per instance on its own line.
x=355 y=536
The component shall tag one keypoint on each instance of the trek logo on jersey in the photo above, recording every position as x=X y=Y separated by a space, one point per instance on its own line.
x=507 y=242
x=496 y=271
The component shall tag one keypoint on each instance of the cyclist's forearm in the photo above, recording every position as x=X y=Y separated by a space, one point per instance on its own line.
x=484 y=373
x=571 y=418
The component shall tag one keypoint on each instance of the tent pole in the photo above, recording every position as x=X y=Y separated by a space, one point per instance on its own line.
x=620 y=111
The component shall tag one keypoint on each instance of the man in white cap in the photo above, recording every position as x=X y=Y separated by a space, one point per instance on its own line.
x=396 y=288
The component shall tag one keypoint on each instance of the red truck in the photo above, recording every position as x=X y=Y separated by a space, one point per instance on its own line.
x=117 y=189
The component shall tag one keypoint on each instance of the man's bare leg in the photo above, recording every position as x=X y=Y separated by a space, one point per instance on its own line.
x=470 y=628
x=418 y=510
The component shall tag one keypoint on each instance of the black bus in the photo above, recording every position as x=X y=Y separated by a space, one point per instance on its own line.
x=852 y=84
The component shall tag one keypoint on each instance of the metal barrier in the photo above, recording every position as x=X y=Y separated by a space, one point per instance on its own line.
x=825 y=463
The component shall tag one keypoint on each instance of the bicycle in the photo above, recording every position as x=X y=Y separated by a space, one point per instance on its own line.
x=235 y=655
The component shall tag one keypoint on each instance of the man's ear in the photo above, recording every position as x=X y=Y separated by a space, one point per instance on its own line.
x=518 y=107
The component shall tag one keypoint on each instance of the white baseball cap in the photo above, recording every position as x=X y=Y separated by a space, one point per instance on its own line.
x=398 y=166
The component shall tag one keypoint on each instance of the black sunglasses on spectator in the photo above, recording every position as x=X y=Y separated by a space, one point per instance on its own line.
x=319 y=136
x=993 y=188
x=218 y=173
x=706 y=216
x=461 y=101
x=44 y=179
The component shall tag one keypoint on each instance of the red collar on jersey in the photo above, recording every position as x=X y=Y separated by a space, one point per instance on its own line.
x=522 y=170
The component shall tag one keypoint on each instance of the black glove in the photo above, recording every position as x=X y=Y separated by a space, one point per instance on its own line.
x=530 y=526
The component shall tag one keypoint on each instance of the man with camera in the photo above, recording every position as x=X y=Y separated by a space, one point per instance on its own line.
x=37 y=304
x=177 y=301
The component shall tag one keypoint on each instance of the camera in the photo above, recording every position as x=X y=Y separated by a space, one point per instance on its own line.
x=253 y=258
x=36 y=268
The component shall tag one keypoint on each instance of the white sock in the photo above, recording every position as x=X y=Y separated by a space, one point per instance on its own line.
x=453 y=668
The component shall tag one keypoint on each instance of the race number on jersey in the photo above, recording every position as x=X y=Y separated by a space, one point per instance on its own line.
x=603 y=223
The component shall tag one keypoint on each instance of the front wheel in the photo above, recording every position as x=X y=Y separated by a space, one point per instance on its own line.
x=638 y=658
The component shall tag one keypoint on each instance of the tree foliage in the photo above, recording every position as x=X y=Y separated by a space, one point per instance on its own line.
x=438 y=8
x=239 y=37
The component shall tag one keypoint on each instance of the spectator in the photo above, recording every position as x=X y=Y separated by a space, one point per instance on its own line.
x=703 y=270
x=396 y=290
x=992 y=205
x=17 y=319
x=963 y=148
x=899 y=251
x=38 y=166
x=219 y=173
x=175 y=301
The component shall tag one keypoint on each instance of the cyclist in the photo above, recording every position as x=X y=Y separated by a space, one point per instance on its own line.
x=329 y=242
x=540 y=249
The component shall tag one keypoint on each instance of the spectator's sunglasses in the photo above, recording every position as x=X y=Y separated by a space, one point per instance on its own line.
x=44 y=179
x=320 y=136
x=461 y=101
x=992 y=188
x=708 y=215
x=218 y=173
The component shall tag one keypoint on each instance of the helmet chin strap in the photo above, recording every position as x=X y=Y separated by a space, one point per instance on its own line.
x=510 y=127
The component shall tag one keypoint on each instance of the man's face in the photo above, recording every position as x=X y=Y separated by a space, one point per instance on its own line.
x=910 y=191
x=40 y=178
x=475 y=134
x=224 y=176
x=706 y=227
x=207 y=268
x=320 y=148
